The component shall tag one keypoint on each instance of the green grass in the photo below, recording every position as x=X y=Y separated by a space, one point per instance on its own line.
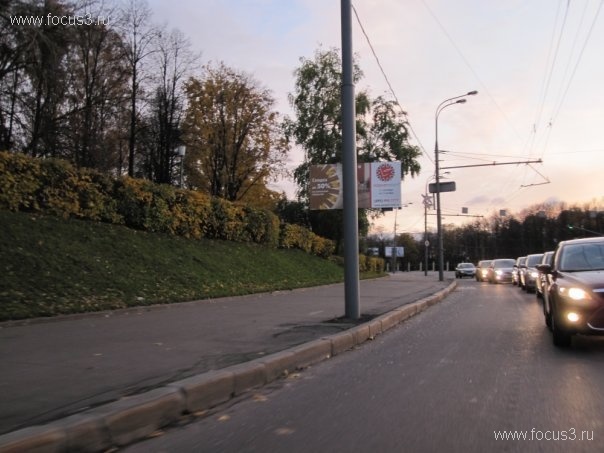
x=51 y=266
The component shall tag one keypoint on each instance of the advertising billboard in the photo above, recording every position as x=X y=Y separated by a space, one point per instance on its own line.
x=378 y=185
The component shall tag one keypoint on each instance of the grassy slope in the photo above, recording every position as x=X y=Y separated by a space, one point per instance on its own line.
x=52 y=266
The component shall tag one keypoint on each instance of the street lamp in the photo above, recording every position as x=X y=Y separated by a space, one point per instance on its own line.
x=180 y=151
x=443 y=105
x=428 y=202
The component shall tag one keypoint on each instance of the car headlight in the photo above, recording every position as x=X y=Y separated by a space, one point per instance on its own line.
x=499 y=272
x=575 y=293
x=534 y=274
x=572 y=316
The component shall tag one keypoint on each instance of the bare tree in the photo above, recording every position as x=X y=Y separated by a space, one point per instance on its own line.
x=12 y=55
x=97 y=86
x=41 y=101
x=138 y=38
x=174 y=62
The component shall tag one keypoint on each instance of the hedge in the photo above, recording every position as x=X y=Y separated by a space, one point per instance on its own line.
x=56 y=187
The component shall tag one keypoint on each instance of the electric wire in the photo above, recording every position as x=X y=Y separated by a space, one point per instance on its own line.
x=470 y=67
x=515 y=176
x=549 y=71
x=566 y=81
x=571 y=53
x=389 y=84
x=591 y=28
x=548 y=75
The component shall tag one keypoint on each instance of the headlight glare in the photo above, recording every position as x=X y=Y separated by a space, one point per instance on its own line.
x=577 y=294
x=574 y=293
x=572 y=317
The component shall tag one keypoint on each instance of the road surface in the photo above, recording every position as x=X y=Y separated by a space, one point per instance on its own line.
x=477 y=372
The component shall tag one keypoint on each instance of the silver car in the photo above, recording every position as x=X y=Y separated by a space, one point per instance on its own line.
x=528 y=279
x=500 y=270
x=465 y=270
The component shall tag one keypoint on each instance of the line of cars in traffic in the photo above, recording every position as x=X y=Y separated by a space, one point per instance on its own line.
x=569 y=281
x=492 y=271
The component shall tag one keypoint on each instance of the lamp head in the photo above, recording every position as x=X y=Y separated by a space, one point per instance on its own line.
x=472 y=93
x=460 y=101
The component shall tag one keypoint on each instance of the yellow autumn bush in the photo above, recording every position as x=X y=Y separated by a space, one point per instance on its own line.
x=56 y=187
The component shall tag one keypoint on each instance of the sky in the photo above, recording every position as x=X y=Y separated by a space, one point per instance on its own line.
x=537 y=66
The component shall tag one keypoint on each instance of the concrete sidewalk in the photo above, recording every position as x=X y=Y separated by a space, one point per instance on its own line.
x=90 y=382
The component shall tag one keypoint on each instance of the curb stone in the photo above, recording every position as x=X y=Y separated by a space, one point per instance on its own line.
x=134 y=418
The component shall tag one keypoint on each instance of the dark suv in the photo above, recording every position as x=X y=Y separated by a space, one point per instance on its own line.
x=574 y=294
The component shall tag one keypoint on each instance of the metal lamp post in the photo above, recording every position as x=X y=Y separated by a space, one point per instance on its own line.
x=443 y=105
x=428 y=203
x=180 y=151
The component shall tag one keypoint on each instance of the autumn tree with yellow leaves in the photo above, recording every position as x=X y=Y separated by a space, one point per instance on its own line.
x=235 y=145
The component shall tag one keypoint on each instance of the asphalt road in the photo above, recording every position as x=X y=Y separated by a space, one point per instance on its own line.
x=456 y=378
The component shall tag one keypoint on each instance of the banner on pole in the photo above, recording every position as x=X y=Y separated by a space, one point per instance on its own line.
x=378 y=185
x=399 y=252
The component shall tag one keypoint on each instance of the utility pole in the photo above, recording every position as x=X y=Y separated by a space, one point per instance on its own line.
x=349 y=170
x=443 y=105
x=428 y=204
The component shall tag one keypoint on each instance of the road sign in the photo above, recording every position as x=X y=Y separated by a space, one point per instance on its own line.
x=444 y=187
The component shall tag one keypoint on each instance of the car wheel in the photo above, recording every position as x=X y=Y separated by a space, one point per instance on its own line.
x=561 y=337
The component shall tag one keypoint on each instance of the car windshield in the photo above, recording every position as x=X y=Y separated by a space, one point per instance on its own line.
x=504 y=263
x=582 y=257
x=547 y=257
x=466 y=266
x=533 y=260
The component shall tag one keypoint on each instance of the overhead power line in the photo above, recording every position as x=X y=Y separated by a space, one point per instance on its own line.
x=389 y=84
x=550 y=70
x=593 y=23
x=470 y=67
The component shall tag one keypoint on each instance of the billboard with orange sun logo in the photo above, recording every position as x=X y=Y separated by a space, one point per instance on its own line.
x=378 y=185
